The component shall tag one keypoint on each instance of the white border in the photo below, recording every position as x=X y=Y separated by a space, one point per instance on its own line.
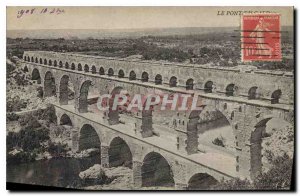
x=5 y=3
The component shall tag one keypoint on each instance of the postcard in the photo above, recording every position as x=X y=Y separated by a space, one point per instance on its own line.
x=150 y=98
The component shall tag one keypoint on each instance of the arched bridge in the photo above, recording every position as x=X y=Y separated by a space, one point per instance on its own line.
x=164 y=148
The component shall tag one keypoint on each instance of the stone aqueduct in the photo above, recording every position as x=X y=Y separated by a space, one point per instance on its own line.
x=248 y=100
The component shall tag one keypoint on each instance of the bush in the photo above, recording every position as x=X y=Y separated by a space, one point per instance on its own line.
x=277 y=178
x=28 y=139
x=47 y=114
x=40 y=92
x=29 y=121
x=101 y=177
x=57 y=150
x=15 y=104
x=21 y=157
x=234 y=184
x=9 y=68
x=12 y=117
x=269 y=155
x=219 y=141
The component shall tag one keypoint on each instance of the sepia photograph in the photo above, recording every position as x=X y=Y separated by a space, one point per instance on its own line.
x=150 y=98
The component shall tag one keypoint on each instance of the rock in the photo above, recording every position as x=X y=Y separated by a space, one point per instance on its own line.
x=92 y=172
x=120 y=178
x=14 y=152
x=84 y=153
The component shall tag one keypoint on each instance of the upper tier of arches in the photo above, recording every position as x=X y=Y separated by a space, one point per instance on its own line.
x=209 y=86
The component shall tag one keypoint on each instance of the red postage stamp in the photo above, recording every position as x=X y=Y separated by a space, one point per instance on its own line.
x=261 y=37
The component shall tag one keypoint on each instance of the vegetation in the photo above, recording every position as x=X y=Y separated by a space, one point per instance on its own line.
x=9 y=69
x=219 y=141
x=101 y=177
x=21 y=157
x=15 y=104
x=29 y=141
x=13 y=74
x=277 y=178
x=12 y=117
x=218 y=49
x=40 y=92
x=47 y=114
x=57 y=150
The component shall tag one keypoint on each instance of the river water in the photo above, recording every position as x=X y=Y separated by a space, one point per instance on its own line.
x=60 y=172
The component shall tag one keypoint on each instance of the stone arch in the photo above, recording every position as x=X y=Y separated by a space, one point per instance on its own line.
x=55 y=63
x=36 y=60
x=208 y=87
x=201 y=181
x=132 y=75
x=276 y=96
x=261 y=132
x=230 y=89
x=94 y=69
x=28 y=58
x=121 y=74
x=25 y=69
x=101 y=71
x=79 y=67
x=41 y=61
x=65 y=120
x=156 y=171
x=83 y=97
x=110 y=72
x=60 y=64
x=35 y=75
x=88 y=138
x=86 y=68
x=158 y=79
x=119 y=153
x=49 y=85
x=66 y=90
x=25 y=58
x=73 y=67
x=45 y=61
x=50 y=62
x=67 y=65
x=203 y=124
x=145 y=77
x=252 y=93
x=32 y=59
x=189 y=85
x=173 y=81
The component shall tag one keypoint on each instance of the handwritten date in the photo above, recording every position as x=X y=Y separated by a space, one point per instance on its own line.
x=21 y=13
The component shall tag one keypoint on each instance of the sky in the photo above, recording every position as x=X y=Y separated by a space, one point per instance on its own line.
x=133 y=17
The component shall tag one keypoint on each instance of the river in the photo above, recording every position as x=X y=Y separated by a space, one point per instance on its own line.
x=59 y=172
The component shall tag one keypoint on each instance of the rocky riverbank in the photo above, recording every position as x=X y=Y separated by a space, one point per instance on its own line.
x=116 y=178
